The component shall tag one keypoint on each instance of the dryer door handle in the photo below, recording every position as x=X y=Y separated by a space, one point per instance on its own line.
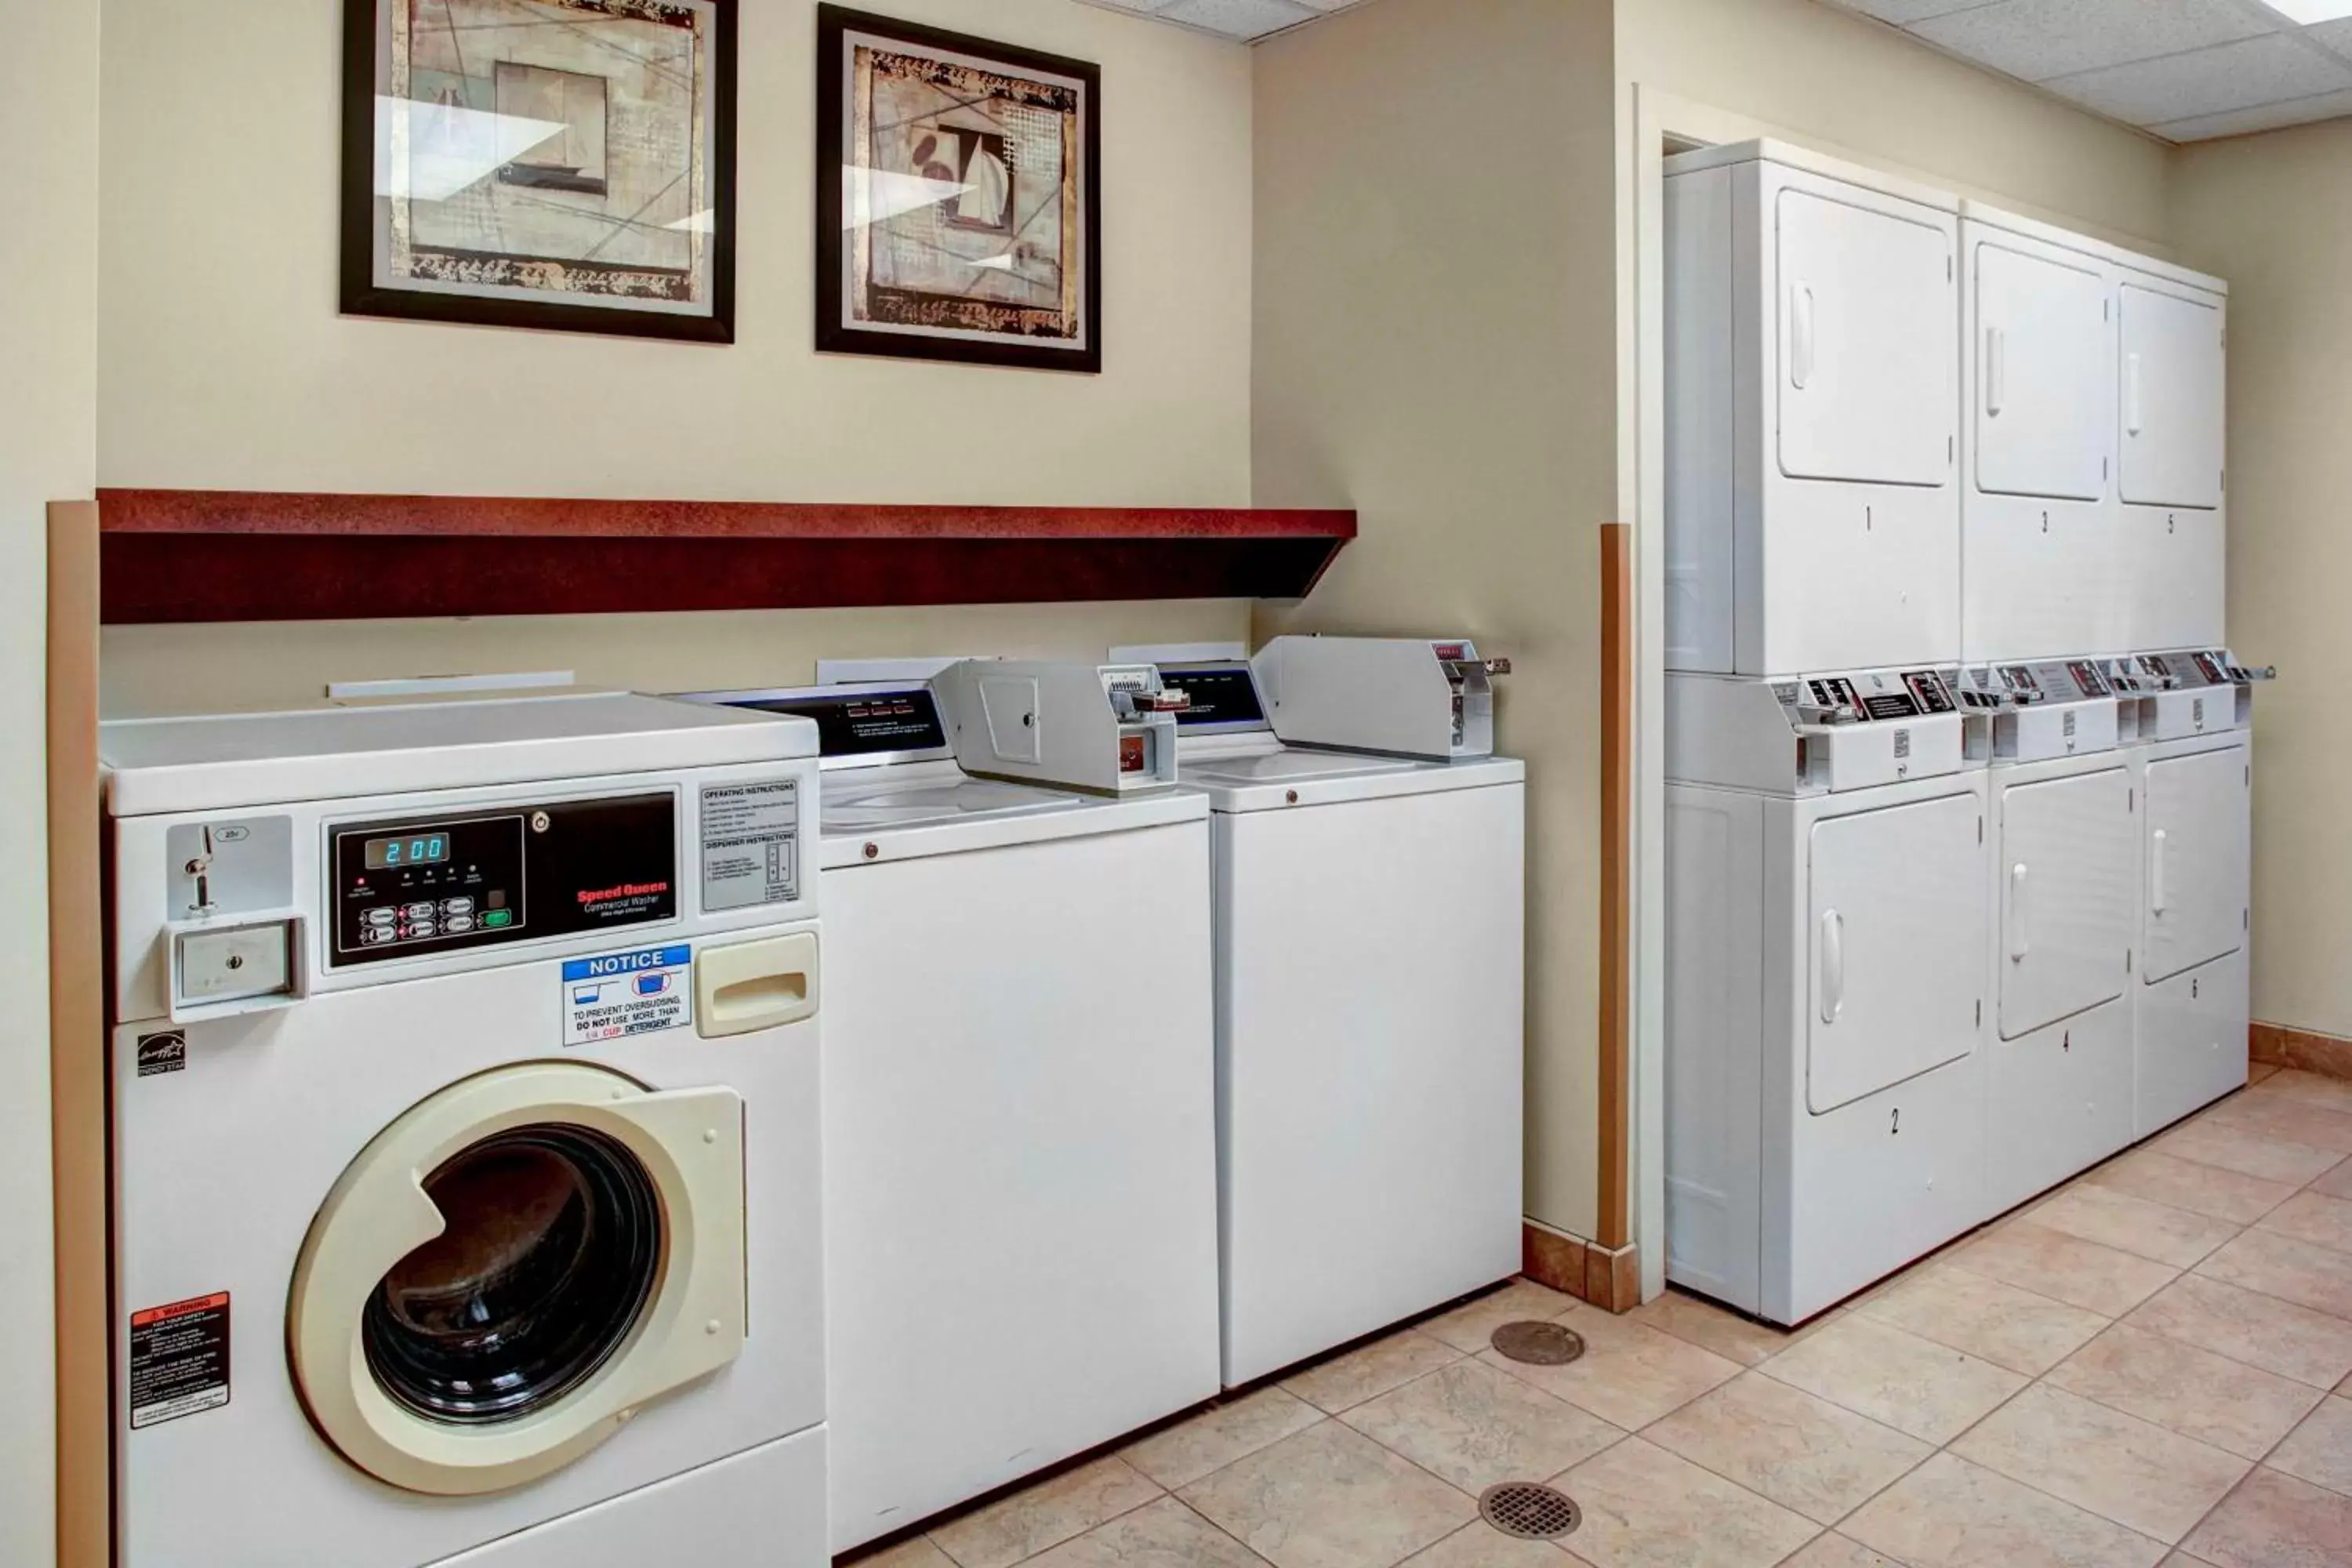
x=2156 y=871
x=2020 y=939
x=2133 y=415
x=1996 y=371
x=1832 y=976
x=1800 y=335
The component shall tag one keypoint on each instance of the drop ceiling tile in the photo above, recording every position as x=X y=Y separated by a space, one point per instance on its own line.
x=1903 y=13
x=2037 y=39
x=2210 y=81
x=2267 y=117
x=1238 y=19
x=2336 y=35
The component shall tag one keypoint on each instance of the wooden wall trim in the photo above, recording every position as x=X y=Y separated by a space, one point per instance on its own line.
x=1616 y=1023
x=78 y=1039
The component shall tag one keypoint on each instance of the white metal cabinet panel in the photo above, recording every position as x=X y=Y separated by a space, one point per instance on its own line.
x=1370 y=1064
x=2066 y=879
x=2177 y=573
x=1897 y=919
x=2192 y=1041
x=1714 y=1041
x=1865 y=310
x=1702 y=461
x=2043 y=353
x=2172 y=392
x=1020 y=1162
x=2196 y=876
x=2060 y=1100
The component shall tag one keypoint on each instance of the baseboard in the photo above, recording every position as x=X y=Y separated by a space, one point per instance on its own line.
x=2305 y=1048
x=1587 y=1270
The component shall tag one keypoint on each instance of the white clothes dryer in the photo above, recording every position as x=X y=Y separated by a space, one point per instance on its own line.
x=464 y=1128
x=1370 y=926
x=1020 y=1133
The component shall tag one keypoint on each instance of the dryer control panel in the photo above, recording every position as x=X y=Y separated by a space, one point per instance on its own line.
x=2052 y=708
x=2187 y=691
x=460 y=880
x=1815 y=734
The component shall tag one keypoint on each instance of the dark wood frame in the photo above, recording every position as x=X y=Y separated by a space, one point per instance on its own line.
x=832 y=335
x=361 y=296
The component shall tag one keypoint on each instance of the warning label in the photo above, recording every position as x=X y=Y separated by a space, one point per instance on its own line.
x=750 y=845
x=179 y=1360
x=624 y=994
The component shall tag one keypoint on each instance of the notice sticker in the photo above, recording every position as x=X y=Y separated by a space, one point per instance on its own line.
x=179 y=1360
x=750 y=845
x=625 y=994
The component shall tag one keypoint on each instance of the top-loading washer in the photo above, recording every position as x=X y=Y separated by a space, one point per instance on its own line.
x=1371 y=920
x=465 y=1137
x=1019 y=1138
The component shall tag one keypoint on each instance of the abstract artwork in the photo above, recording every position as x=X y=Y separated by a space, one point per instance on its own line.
x=560 y=164
x=959 y=194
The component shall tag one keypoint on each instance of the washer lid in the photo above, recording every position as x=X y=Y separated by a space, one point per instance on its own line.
x=1292 y=767
x=236 y=760
x=860 y=809
x=1279 y=779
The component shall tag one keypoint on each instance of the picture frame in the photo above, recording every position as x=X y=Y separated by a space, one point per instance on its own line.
x=566 y=165
x=959 y=184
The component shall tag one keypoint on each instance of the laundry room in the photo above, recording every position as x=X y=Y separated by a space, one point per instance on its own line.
x=1261 y=783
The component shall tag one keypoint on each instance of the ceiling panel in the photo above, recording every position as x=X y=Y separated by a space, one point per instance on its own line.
x=1244 y=19
x=2182 y=69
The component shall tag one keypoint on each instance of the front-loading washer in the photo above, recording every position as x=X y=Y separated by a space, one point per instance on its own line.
x=464 y=1125
x=1371 y=990
x=1020 y=1136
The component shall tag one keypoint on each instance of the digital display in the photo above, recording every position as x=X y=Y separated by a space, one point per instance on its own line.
x=408 y=849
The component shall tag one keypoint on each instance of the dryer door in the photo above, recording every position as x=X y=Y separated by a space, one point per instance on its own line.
x=2197 y=854
x=1896 y=931
x=513 y=1266
x=2172 y=399
x=2065 y=882
x=2044 y=370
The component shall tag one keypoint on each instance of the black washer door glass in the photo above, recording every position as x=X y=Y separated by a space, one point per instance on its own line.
x=552 y=1244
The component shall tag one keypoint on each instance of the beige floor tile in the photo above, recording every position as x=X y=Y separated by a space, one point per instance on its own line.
x=1215 y=1438
x=1950 y=1514
x=1803 y=1452
x=2311 y=1088
x=1470 y=1328
x=1630 y=1374
x=2187 y=1390
x=2065 y=1268
x=2118 y=1466
x=1164 y=1534
x=2249 y=1153
x=2315 y=1217
x=2276 y=1521
x=2261 y=1330
x=2320 y=1450
x=2335 y=1181
x=2157 y=1176
x=1019 y=1527
x=1644 y=1508
x=1897 y=1379
x=915 y=1553
x=2291 y=1270
x=2257 y=1071
x=1349 y=1380
x=1329 y=1496
x=2279 y=1117
x=1834 y=1550
x=1476 y=1427
x=1999 y=1322
x=1714 y=1328
x=2114 y=1217
x=1480 y=1545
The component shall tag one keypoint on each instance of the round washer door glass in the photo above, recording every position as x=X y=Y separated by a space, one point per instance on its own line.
x=553 y=1248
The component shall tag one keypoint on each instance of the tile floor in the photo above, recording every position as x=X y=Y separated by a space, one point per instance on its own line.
x=2151 y=1367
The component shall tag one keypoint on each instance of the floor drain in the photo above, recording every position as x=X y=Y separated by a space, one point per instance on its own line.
x=1538 y=1345
x=1529 y=1511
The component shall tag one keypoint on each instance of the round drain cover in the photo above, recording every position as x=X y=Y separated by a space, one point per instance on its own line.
x=1539 y=1344
x=1529 y=1511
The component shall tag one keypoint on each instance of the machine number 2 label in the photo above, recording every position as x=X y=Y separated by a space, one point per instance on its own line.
x=621 y=994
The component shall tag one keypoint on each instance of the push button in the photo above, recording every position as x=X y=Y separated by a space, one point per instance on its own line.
x=457 y=925
x=497 y=919
x=384 y=916
x=421 y=913
x=457 y=906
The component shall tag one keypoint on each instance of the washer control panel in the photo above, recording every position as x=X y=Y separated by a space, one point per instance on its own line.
x=455 y=880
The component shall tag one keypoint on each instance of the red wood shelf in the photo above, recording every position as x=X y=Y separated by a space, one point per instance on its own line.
x=235 y=555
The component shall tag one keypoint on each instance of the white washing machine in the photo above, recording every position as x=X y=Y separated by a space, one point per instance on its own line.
x=465 y=1138
x=1371 y=924
x=1827 y=929
x=2193 y=767
x=1020 y=1133
x=2065 y=889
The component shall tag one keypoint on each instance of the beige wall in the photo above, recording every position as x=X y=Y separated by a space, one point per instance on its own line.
x=1434 y=347
x=2273 y=215
x=224 y=364
x=1845 y=83
x=48 y=263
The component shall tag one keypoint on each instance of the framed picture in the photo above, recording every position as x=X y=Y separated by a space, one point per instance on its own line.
x=557 y=163
x=959 y=197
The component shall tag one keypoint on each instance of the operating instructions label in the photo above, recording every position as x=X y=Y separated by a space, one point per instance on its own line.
x=750 y=845
x=179 y=1360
